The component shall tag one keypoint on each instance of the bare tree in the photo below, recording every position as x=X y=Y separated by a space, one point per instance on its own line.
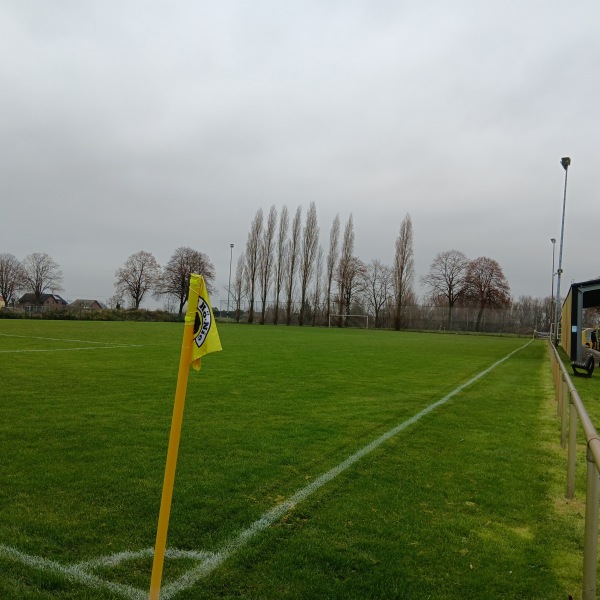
x=266 y=260
x=486 y=286
x=378 y=286
x=252 y=259
x=293 y=247
x=332 y=258
x=548 y=312
x=115 y=301
x=137 y=277
x=530 y=313
x=174 y=280
x=344 y=269
x=404 y=270
x=317 y=288
x=310 y=244
x=41 y=273
x=355 y=282
x=12 y=278
x=446 y=278
x=281 y=259
x=237 y=292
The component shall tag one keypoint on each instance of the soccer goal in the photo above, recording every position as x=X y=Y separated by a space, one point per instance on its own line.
x=360 y=321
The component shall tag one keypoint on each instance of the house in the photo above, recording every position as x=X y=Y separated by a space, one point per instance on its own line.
x=47 y=302
x=80 y=304
x=2 y=302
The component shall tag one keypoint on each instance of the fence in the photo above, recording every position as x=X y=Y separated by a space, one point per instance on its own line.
x=416 y=317
x=571 y=409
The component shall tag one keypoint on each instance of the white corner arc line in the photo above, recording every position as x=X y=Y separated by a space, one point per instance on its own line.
x=72 y=573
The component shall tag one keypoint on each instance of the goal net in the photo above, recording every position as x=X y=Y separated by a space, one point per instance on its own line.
x=360 y=321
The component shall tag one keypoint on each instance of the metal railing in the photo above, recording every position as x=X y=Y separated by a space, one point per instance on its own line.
x=571 y=410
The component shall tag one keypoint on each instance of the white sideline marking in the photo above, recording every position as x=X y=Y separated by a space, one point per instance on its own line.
x=101 y=346
x=37 y=337
x=71 y=349
x=209 y=561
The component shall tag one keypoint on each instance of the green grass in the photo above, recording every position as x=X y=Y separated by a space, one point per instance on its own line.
x=465 y=503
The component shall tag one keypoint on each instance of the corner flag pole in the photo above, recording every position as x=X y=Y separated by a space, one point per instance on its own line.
x=169 y=481
x=200 y=336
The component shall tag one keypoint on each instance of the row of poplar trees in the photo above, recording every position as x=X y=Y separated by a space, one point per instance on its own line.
x=286 y=260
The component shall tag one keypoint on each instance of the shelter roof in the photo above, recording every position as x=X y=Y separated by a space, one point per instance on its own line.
x=591 y=292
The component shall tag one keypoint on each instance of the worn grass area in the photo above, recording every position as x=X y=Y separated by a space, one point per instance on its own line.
x=465 y=503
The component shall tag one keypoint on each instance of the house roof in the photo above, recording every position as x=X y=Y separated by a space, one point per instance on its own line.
x=30 y=299
x=591 y=292
x=84 y=303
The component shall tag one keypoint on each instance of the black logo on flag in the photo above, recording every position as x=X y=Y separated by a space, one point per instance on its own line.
x=202 y=322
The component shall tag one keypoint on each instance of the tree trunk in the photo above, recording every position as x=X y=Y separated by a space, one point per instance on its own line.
x=479 y=317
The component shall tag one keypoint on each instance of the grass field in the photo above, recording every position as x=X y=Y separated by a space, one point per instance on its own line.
x=463 y=501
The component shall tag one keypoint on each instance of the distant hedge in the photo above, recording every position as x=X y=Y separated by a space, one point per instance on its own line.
x=7 y=313
x=93 y=315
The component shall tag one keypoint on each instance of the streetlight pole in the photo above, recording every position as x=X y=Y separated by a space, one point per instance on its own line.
x=553 y=240
x=229 y=286
x=565 y=162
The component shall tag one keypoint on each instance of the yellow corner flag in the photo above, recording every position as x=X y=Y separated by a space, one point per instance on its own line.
x=199 y=312
x=200 y=337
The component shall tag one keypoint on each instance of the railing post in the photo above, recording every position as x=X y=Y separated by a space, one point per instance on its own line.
x=590 y=542
x=558 y=394
x=565 y=401
x=572 y=450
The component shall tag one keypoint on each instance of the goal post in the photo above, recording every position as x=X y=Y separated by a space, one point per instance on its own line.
x=360 y=321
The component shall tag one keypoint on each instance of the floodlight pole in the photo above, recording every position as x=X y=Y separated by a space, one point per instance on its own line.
x=553 y=240
x=565 y=162
x=229 y=286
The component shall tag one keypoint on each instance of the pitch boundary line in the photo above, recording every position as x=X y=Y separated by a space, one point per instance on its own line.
x=210 y=561
x=38 y=337
x=70 y=349
x=101 y=346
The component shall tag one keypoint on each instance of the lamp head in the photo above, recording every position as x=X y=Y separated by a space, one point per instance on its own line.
x=553 y=240
x=565 y=162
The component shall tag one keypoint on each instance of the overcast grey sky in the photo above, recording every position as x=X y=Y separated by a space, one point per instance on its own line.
x=146 y=125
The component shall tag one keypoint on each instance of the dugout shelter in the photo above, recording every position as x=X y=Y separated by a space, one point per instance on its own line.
x=581 y=295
